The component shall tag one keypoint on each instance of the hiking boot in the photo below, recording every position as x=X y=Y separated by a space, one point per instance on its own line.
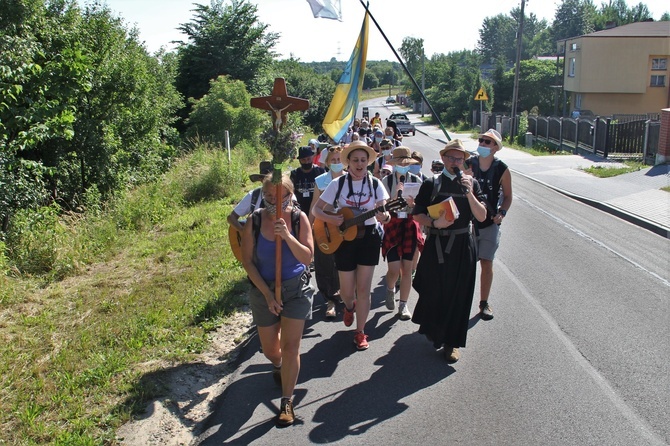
x=485 y=312
x=330 y=310
x=390 y=299
x=276 y=375
x=286 y=415
x=403 y=312
x=452 y=354
x=349 y=315
x=361 y=340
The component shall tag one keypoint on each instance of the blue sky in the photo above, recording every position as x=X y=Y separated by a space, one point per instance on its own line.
x=444 y=25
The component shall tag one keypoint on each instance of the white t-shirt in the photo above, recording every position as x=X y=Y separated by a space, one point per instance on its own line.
x=244 y=207
x=360 y=199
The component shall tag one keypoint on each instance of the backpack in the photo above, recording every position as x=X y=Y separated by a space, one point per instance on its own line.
x=254 y=199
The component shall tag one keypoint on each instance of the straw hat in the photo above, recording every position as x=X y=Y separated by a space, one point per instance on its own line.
x=402 y=156
x=455 y=144
x=358 y=145
x=494 y=135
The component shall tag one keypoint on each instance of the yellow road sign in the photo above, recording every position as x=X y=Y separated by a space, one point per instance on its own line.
x=481 y=95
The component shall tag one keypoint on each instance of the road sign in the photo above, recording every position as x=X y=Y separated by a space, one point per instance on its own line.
x=481 y=95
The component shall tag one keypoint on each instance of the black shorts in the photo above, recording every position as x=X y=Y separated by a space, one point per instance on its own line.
x=359 y=251
x=393 y=256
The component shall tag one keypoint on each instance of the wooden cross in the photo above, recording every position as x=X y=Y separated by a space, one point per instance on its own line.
x=279 y=103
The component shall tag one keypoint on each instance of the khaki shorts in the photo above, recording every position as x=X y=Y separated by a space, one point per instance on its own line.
x=297 y=296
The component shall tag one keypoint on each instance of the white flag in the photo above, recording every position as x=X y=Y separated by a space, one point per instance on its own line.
x=326 y=9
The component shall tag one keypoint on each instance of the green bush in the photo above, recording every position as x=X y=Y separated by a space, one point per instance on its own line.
x=34 y=238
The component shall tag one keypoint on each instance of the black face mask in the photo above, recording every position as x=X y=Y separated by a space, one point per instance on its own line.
x=306 y=166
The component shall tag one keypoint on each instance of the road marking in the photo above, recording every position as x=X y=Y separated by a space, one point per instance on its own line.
x=597 y=242
x=640 y=424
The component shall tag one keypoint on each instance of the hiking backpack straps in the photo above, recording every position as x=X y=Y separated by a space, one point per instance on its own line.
x=372 y=185
x=256 y=226
x=254 y=199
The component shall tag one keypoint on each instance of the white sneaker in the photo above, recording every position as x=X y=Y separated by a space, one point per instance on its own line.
x=390 y=299
x=403 y=312
x=330 y=310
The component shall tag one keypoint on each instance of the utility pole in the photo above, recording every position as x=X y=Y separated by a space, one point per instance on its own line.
x=423 y=78
x=515 y=93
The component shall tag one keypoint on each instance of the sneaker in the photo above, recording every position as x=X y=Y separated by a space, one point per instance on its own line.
x=361 y=340
x=286 y=414
x=485 y=312
x=403 y=312
x=349 y=315
x=330 y=310
x=390 y=299
x=452 y=354
x=276 y=375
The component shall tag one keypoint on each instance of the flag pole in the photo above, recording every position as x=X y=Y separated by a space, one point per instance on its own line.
x=435 y=115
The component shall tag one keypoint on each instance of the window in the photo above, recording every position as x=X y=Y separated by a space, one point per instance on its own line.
x=571 y=69
x=659 y=64
x=578 y=101
x=574 y=47
x=657 y=81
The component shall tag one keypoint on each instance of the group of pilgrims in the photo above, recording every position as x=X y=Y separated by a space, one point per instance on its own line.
x=372 y=172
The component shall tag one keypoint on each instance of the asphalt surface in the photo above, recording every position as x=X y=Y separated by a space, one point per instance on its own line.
x=576 y=354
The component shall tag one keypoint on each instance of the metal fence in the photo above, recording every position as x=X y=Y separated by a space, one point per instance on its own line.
x=623 y=138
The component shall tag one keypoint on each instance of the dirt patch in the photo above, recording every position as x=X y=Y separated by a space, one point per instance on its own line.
x=176 y=418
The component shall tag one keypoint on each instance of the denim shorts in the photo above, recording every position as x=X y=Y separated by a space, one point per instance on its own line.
x=488 y=241
x=297 y=294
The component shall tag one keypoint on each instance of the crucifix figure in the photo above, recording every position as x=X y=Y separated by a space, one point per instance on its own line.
x=279 y=103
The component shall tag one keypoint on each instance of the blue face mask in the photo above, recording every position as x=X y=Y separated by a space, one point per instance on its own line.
x=415 y=169
x=402 y=170
x=386 y=152
x=378 y=139
x=483 y=151
x=336 y=167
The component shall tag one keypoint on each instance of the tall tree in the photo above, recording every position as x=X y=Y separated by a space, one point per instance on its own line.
x=573 y=18
x=224 y=40
x=497 y=38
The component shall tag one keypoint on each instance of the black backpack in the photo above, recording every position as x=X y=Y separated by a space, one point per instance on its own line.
x=256 y=225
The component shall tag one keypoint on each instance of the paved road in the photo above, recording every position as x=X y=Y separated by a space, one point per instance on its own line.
x=576 y=354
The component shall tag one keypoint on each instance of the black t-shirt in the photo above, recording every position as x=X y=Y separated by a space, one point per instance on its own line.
x=304 y=184
x=490 y=183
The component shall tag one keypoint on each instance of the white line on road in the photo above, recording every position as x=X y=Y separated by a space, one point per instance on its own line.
x=599 y=243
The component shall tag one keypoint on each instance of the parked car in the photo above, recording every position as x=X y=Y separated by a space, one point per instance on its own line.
x=390 y=100
x=403 y=123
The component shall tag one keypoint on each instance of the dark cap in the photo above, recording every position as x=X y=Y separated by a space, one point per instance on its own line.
x=305 y=151
x=264 y=168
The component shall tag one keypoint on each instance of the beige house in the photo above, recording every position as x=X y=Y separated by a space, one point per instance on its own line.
x=620 y=70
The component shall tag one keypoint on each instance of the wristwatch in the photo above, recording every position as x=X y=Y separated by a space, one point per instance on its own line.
x=502 y=212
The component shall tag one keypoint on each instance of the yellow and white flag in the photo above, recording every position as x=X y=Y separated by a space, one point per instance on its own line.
x=342 y=109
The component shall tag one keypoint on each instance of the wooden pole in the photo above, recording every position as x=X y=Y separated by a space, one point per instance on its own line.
x=278 y=215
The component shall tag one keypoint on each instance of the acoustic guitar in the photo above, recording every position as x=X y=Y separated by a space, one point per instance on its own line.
x=235 y=239
x=328 y=237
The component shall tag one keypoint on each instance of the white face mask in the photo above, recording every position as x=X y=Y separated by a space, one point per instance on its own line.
x=386 y=152
x=336 y=167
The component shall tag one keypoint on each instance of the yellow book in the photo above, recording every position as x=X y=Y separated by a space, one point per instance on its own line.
x=449 y=208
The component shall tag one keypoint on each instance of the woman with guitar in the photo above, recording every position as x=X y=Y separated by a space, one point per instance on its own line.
x=356 y=239
x=280 y=324
x=327 y=280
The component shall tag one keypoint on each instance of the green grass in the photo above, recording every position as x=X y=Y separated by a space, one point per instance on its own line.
x=666 y=188
x=607 y=172
x=147 y=279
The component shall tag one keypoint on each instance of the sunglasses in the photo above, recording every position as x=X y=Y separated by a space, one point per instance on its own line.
x=335 y=149
x=485 y=141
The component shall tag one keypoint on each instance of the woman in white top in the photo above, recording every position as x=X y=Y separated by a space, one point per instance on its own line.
x=356 y=259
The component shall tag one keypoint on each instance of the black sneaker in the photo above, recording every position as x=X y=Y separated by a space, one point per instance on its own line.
x=485 y=312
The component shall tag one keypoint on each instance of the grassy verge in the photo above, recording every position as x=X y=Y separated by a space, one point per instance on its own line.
x=75 y=349
x=607 y=172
